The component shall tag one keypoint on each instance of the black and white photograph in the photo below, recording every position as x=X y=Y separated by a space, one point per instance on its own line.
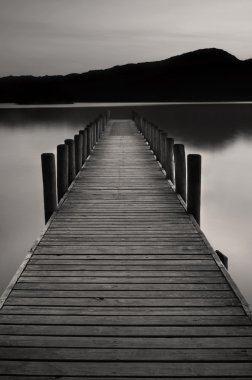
x=125 y=189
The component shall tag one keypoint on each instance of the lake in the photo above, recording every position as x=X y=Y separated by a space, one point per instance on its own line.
x=221 y=133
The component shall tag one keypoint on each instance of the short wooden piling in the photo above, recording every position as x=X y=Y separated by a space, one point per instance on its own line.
x=169 y=167
x=71 y=160
x=194 y=185
x=223 y=258
x=49 y=184
x=62 y=170
x=180 y=170
x=78 y=152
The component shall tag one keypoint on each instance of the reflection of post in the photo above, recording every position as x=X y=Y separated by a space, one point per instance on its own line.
x=62 y=170
x=180 y=170
x=49 y=184
x=194 y=185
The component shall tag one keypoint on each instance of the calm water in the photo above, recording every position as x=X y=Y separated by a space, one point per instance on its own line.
x=221 y=133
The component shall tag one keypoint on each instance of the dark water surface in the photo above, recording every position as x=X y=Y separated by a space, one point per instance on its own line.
x=221 y=133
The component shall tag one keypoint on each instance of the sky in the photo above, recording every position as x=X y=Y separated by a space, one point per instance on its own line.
x=41 y=37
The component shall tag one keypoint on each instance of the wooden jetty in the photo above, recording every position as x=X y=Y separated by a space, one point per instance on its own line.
x=122 y=283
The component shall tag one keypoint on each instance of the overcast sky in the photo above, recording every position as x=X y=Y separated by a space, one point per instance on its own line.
x=62 y=36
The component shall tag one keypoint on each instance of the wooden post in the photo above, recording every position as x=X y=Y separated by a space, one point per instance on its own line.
x=108 y=116
x=97 y=131
x=104 y=117
x=49 y=184
x=156 y=141
x=88 y=140
x=91 y=136
x=85 y=144
x=78 y=152
x=163 y=149
x=152 y=137
x=140 y=125
x=94 y=133
x=169 y=159
x=223 y=258
x=159 y=146
x=71 y=160
x=148 y=132
x=194 y=185
x=62 y=170
x=180 y=170
x=81 y=132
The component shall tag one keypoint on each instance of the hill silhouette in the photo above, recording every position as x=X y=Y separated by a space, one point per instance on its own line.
x=201 y=75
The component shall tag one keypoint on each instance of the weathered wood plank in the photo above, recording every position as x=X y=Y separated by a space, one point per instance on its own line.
x=123 y=311
x=121 y=294
x=122 y=355
x=145 y=320
x=124 y=342
x=125 y=369
x=128 y=331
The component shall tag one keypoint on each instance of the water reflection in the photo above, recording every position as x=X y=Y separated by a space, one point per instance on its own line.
x=221 y=133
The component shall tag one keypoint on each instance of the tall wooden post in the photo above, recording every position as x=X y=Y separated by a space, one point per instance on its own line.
x=62 y=170
x=81 y=132
x=85 y=144
x=152 y=137
x=148 y=132
x=163 y=149
x=180 y=170
x=78 y=152
x=91 y=136
x=49 y=184
x=71 y=160
x=140 y=123
x=194 y=185
x=159 y=147
x=97 y=131
x=156 y=141
x=88 y=140
x=94 y=133
x=169 y=168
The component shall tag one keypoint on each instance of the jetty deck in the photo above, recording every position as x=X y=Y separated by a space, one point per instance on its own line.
x=123 y=284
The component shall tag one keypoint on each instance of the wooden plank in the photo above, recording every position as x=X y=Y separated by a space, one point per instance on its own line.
x=121 y=287
x=77 y=279
x=122 y=294
x=124 y=342
x=128 y=331
x=145 y=320
x=125 y=369
x=122 y=355
x=123 y=311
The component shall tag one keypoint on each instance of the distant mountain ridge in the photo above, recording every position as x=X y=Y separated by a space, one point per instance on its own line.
x=201 y=75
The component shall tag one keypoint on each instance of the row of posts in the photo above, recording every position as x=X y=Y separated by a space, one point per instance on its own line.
x=71 y=156
x=172 y=159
